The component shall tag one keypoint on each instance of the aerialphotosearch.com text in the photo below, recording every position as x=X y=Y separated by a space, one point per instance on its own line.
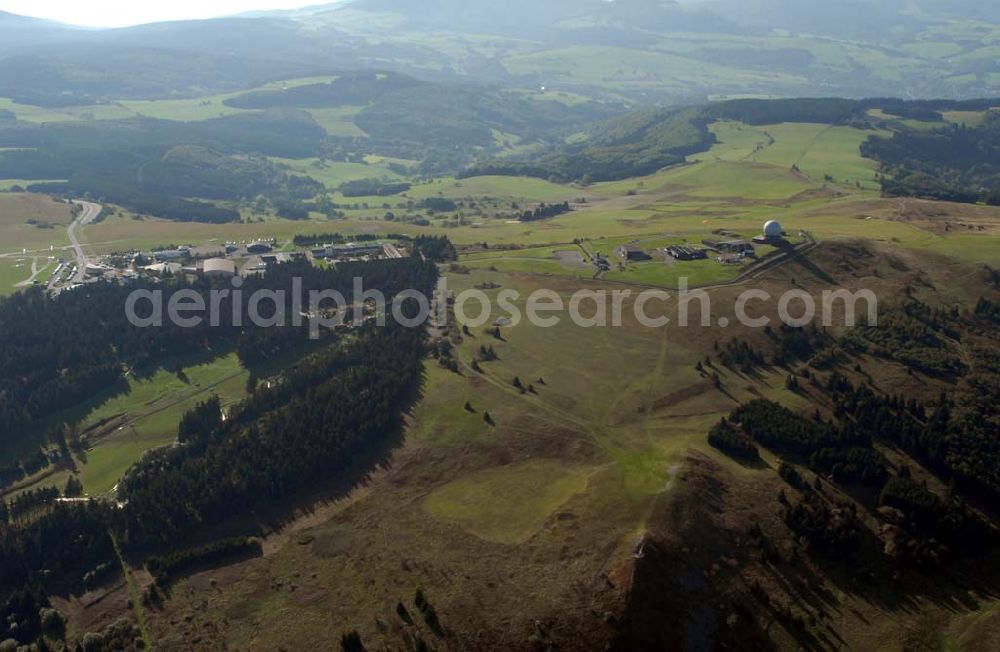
x=543 y=308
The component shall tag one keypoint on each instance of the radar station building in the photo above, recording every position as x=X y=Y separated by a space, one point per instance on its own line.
x=773 y=233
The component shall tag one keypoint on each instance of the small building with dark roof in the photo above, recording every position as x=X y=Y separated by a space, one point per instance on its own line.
x=633 y=253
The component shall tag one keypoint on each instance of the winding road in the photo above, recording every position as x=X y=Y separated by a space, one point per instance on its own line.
x=87 y=215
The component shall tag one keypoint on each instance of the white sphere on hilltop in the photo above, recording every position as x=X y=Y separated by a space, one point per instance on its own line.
x=772 y=229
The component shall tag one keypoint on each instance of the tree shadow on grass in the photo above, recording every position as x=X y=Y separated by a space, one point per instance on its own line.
x=74 y=415
x=266 y=518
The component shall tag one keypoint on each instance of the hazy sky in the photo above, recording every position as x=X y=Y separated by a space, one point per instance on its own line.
x=116 y=13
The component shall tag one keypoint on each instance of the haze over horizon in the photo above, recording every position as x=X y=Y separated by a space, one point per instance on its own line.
x=112 y=13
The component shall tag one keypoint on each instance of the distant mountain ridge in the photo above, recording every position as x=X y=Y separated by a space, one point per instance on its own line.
x=643 y=50
x=528 y=17
x=17 y=32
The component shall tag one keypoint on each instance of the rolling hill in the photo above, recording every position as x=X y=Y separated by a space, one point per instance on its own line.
x=640 y=50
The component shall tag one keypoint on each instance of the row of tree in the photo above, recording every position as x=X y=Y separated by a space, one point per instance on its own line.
x=545 y=211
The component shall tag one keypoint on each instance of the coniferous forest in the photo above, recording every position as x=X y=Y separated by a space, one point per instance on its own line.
x=952 y=162
x=329 y=419
x=953 y=436
x=61 y=351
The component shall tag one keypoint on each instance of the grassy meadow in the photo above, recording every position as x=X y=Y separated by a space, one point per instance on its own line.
x=183 y=109
x=154 y=406
x=520 y=497
x=146 y=414
x=12 y=272
x=567 y=473
x=810 y=177
x=25 y=246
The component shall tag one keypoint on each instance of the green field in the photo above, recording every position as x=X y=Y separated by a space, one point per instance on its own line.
x=194 y=109
x=210 y=106
x=42 y=115
x=8 y=184
x=970 y=119
x=572 y=472
x=744 y=180
x=625 y=69
x=554 y=261
x=49 y=221
x=518 y=188
x=820 y=151
x=581 y=369
x=339 y=121
x=11 y=273
x=185 y=109
x=151 y=408
x=696 y=273
x=45 y=241
x=509 y=504
x=334 y=173
x=155 y=406
x=538 y=260
x=122 y=233
x=544 y=487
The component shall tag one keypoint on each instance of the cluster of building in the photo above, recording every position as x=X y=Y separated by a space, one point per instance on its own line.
x=349 y=251
x=730 y=251
x=210 y=260
x=230 y=249
x=259 y=264
x=254 y=257
x=684 y=252
x=734 y=251
x=740 y=248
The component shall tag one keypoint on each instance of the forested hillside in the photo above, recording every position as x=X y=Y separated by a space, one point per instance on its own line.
x=335 y=413
x=311 y=426
x=636 y=145
x=641 y=49
x=49 y=365
x=953 y=163
x=176 y=169
x=349 y=88
x=156 y=166
x=952 y=436
x=427 y=121
x=643 y=142
x=247 y=470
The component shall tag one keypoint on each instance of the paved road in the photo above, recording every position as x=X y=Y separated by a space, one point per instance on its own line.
x=35 y=271
x=87 y=215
